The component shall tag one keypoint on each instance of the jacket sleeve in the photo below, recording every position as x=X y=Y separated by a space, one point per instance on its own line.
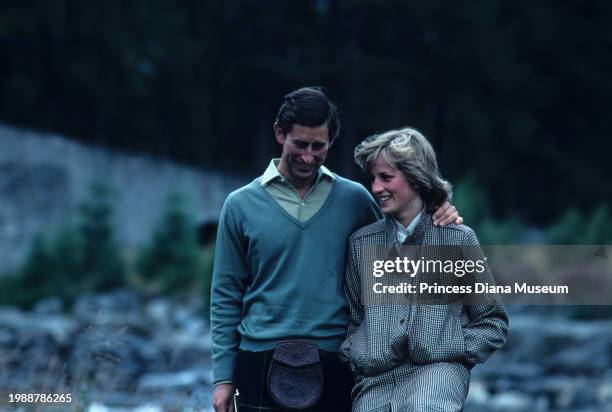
x=488 y=321
x=352 y=290
x=229 y=282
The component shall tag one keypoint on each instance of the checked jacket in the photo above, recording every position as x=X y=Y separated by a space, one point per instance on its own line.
x=408 y=354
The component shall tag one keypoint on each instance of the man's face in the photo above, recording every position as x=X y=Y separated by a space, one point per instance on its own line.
x=304 y=151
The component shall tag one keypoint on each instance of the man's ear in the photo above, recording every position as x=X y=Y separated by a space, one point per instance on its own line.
x=278 y=132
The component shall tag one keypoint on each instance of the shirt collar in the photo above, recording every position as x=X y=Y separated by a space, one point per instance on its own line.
x=271 y=173
x=403 y=232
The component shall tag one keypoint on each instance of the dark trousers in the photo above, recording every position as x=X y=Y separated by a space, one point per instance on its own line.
x=250 y=378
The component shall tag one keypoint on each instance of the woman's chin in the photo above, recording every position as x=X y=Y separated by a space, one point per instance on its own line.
x=388 y=210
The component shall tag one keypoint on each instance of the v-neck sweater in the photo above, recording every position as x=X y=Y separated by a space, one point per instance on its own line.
x=277 y=278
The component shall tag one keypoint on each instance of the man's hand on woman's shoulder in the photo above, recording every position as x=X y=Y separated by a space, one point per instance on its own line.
x=446 y=214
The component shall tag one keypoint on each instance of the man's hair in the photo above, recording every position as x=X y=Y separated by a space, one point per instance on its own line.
x=310 y=107
x=409 y=151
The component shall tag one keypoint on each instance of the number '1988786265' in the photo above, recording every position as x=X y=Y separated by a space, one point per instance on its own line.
x=40 y=397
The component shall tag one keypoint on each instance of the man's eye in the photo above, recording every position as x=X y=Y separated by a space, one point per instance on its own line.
x=318 y=146
x=301 y=145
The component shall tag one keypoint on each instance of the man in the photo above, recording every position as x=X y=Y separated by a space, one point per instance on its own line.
x=279 y=260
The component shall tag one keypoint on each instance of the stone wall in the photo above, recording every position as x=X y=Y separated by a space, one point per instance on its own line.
x=43 y=176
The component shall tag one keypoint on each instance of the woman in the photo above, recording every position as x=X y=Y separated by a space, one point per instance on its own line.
x=407 y=355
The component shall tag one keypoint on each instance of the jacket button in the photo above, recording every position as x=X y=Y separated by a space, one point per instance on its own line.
x=402 y=321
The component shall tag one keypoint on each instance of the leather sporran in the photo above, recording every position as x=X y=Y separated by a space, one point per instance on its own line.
x=295 y=377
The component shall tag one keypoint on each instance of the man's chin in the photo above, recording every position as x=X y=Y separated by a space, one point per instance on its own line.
x=304 y=174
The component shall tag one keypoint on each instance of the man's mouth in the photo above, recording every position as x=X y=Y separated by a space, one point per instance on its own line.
x=305 y=168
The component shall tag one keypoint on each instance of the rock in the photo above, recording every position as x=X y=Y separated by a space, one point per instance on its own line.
x=519 y=371
x=580 y=359
x=7 y=336
x=478 y=393
x=98 y=407
x=559 y=390
x=604 y=393
x=116 y=348
x=511 y=401
x=60 y=327
x=49 y=306
x=125 y=352
x=183 y=379
x=159 y=311
x=104 y=308
x=106 y=356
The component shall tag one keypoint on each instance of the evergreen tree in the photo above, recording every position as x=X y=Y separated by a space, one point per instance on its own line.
x=101 y=265
x=172 y=260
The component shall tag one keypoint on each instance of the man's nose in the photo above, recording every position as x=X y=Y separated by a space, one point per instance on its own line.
x=307 y=157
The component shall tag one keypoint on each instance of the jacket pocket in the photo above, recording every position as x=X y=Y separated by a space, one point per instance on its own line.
x=357 y=351
x=398 y=335
x=379 y=343
x=436 y=334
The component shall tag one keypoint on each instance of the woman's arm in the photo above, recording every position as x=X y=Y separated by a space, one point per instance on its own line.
x=488 y=326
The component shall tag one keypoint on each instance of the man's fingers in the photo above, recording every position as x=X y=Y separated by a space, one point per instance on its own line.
x=440 y=211
x=443 y=212
x=450 y=215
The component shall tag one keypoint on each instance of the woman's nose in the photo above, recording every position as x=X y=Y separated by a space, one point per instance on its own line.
x=376 y=186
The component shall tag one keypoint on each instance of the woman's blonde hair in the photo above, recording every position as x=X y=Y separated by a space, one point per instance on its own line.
x=409 y=151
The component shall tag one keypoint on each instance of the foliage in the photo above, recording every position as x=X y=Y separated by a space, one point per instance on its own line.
x=473 y=205
x=590 y=312
x=102 y=264
x=208 y=258
x=173 y=261
x=83 y=257
x=79 y=258
x=567 y=228
x=575 y=228
x=32 y=283
x=517 y=91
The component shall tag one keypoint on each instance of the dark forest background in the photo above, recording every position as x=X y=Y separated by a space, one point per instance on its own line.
x=514 y=95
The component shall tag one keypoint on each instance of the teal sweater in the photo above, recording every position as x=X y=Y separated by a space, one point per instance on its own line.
x=277 y=278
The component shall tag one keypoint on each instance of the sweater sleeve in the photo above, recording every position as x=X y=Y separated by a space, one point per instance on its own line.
x=488 y=325
x=373 y=212
x=229 y=282
x=352 y=290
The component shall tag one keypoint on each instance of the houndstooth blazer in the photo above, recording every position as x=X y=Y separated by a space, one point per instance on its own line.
x=390 y=339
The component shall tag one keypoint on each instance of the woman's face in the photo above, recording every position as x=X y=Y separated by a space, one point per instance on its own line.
x=393 y=192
